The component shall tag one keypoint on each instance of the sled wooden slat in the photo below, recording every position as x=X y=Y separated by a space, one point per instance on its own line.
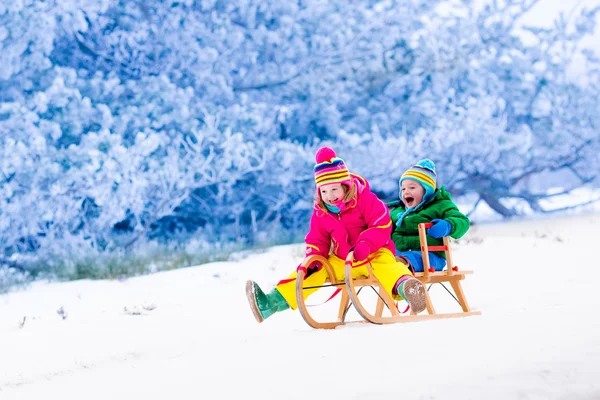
x=330 y=280
x=350 y=287
x=451 y=274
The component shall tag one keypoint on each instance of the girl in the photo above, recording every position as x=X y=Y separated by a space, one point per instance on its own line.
x=347 y=216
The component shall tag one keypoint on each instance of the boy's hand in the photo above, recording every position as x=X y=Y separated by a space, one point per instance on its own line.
x=361 y=251
x=439 y=229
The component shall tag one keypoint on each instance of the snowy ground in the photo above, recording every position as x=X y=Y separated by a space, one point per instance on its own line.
x=189 y=334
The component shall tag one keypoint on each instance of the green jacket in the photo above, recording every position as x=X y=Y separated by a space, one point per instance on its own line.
x=406 y=236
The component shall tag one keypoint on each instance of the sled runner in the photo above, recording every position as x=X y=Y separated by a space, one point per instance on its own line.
x=350 y=289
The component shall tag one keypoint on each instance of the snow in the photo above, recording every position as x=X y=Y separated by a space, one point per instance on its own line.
x=189 y=333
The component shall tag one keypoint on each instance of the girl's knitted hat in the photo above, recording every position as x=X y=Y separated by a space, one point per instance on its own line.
x=424 y=173
x=330 y=168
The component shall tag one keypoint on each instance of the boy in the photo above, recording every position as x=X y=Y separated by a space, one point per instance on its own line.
x=422 y=202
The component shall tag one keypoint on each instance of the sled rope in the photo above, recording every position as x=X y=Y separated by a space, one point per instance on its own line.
x=330 y=297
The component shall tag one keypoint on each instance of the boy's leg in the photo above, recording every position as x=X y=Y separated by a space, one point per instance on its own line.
x=415 y=258
x=437 y=263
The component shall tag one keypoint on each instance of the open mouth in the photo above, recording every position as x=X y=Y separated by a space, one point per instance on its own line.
x=409 y=200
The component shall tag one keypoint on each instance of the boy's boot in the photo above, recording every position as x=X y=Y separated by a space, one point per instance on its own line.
x=264 y=305
x=413 y=291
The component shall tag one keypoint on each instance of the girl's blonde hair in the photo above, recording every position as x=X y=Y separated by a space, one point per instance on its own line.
x=349 y=195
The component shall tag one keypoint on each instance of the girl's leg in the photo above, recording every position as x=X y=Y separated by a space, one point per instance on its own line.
x=385 y=267
x=388 y=271
x=264 y=305
x=397 y=280
x=287 y=287
x=282 y=297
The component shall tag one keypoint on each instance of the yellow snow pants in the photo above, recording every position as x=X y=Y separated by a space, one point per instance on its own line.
x=385 y=268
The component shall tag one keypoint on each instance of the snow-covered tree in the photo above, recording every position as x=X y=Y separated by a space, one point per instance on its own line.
x=129 y=122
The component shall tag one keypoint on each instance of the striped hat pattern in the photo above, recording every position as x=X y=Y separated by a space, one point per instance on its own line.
x=424 y=173
x=330 y=168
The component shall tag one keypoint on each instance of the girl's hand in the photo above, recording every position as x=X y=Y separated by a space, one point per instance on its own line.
x=361 y=251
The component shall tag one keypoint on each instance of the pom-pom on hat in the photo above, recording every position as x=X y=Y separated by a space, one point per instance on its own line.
x=424 y=173
x=330 y=168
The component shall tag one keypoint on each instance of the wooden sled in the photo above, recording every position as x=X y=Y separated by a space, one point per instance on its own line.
x=350 y=289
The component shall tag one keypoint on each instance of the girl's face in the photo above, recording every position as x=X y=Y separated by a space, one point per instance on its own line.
x=412 y=193
x=331 y=194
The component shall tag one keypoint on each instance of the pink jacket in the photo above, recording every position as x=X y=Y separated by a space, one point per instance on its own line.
x=365 y=218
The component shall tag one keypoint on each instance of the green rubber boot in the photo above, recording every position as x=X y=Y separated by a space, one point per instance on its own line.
x=264 y=305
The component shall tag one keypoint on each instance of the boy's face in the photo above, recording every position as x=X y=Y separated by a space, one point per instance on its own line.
x=412 y=193
x=332 y=193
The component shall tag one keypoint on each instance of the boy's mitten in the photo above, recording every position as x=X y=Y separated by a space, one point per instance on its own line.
x=440 y=228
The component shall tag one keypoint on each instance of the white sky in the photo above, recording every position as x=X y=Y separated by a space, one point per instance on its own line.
x=538 y=338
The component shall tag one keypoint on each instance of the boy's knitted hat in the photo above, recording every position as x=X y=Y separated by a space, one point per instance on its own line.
x=330 y=168
x=424 y=173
